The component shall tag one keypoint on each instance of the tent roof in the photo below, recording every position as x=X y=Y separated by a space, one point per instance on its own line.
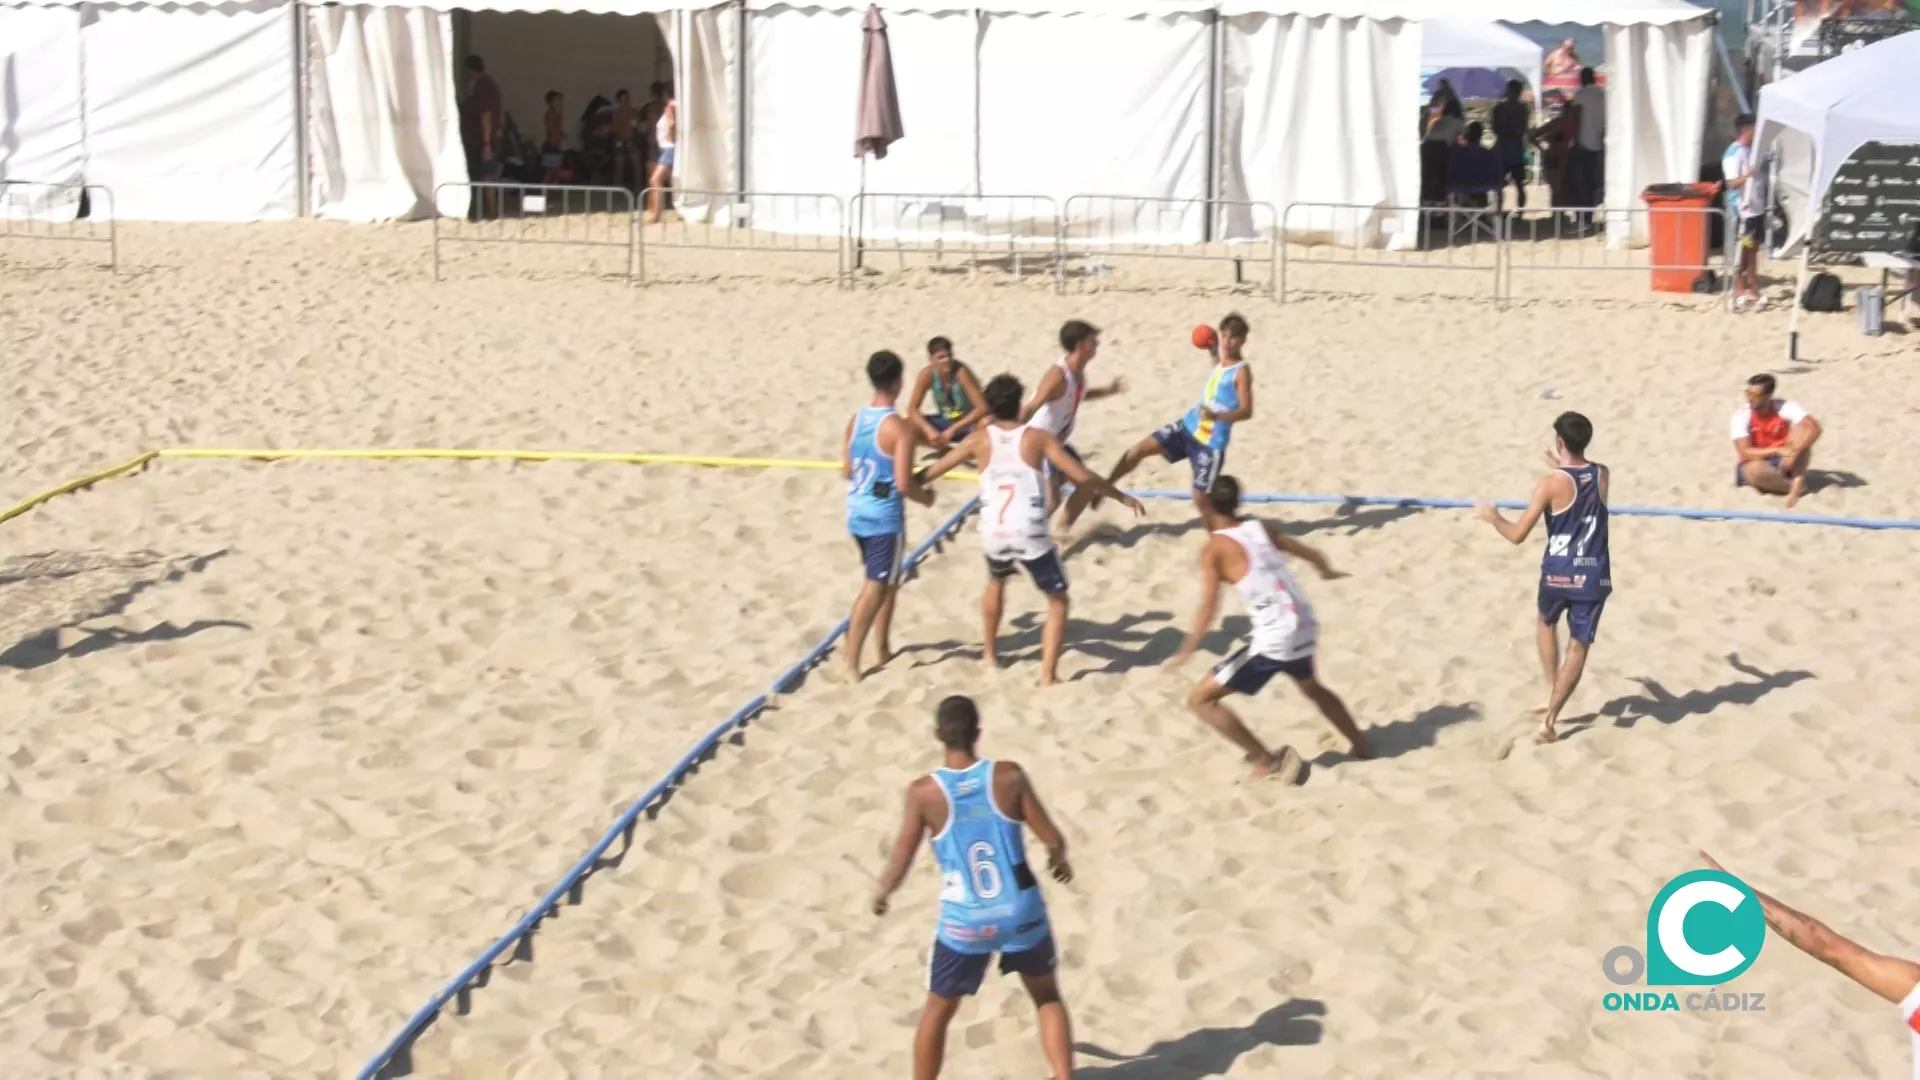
x=1869 y=89
x=1446 y=43
x=1581 y=12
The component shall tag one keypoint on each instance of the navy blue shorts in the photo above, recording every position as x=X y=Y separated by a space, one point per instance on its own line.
x=1048 y=572
x=1178 y=444
x=942 y=423
x=1247 y=672
x=1583 y=616
x=1740 y=480
x=954 y=974
x=882 y=554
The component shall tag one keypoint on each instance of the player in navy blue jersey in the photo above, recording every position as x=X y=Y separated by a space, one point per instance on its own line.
x=1576 y=572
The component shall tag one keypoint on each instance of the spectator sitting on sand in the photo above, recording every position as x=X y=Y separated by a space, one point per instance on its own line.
x=1773 y=439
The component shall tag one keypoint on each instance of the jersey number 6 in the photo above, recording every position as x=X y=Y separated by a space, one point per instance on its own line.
x=986 y=876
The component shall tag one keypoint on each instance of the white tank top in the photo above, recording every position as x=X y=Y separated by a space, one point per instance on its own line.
x=1058 y=416
x=1013 y=501
x=662 y=131
x=1283 y=623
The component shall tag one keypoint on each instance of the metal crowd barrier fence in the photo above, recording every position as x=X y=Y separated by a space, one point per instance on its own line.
x=769 y=222
x=1098 y=227
x=395 y=1059
x=541 y=215
x=1009 y=230
x=1458 y=238
x=62 y=213
x=1600 y=239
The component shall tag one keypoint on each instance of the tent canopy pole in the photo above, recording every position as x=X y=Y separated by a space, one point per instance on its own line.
x=739 y=102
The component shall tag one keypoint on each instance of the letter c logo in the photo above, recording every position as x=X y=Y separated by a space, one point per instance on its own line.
x=1704 y=927
x=1673 y=932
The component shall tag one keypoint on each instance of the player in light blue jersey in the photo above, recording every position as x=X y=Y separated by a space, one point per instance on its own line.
x=1200 y=437
x=990 y=900
x=876 y=461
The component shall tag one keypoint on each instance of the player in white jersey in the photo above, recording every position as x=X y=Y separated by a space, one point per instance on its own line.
x=1055 y=407
x=1892 y=978
x=1013 y=513
x=1246 y=552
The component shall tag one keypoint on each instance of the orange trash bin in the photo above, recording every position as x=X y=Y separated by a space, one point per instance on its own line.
x=1678 y=232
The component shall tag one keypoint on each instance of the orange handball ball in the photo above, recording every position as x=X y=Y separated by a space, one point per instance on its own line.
x=1205 y=338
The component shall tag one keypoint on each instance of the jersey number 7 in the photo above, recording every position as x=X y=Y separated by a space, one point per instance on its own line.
x=1006 y=500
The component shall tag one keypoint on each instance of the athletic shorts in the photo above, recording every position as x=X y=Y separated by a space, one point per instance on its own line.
x=1178 y=444
x=954 y=974
x=1752 y=230
x=1583 y=616
x=665 y=160
x=882 y=555
x=1739 y=478
x=1247 y=672
x=1049 y=572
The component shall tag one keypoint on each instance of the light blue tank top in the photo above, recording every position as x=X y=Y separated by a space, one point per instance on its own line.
x=874 y=506
x=1222 y=394
x=989 y=898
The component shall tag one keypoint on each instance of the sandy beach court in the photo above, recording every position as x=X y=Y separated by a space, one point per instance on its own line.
x=287 y=745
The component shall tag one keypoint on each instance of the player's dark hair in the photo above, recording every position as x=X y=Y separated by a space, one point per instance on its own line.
x=883 y=370
x=939 y=345
x=1514 y=86
x=1003 y=394
x=1764 y=382
x=1744 y=120
x=620 y=95
x=1224 y=495
x=957 y=722
x=474 y=63
x=1574 y=430
x=1234 y=324
x=553 y=96
x=1073 y=332
x=1587 y=77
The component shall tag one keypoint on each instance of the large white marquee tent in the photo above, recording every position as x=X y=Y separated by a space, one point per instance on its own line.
x=191 y=112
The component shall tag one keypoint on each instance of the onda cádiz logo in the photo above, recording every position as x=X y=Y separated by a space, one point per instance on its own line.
x=1703 y=930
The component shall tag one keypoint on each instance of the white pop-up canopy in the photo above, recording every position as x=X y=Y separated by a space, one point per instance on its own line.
x=1451 y=43
x=1869 y=94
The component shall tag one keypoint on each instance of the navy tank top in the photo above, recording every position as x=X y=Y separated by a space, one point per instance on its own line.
x=1576 y=564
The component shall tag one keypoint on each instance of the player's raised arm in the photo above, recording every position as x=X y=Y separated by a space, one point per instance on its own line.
x=1071 y=468
x=913 y=826
x=1888 y=976
x=1518 y=530
x=1044 y=830
x=1209 y=603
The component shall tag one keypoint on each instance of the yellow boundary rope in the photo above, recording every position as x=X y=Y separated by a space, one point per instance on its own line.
x=75 y=485
x=429 y=454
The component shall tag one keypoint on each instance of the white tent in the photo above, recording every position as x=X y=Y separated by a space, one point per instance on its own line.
x=1274 y=101
x=1450 y=43
x=1820 y=116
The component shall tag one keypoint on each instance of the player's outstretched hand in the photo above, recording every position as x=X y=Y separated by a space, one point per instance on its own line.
x=1330 y=574
x=1062 y=869
x=1486 y=512
x=880 y=905
x=1133 y=504
x=1119 y=385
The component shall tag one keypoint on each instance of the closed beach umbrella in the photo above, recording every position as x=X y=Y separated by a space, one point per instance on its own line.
x=879 y=100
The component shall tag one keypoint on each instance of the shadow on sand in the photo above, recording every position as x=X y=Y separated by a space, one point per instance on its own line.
x=1662 y=705
x=1210 y=1051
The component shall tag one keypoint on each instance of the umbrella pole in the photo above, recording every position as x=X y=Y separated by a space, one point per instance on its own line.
x=859 y=240
x=1799 y=290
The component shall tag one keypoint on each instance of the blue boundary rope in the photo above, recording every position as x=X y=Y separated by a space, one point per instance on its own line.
x=550 y=903
x=1514 y=504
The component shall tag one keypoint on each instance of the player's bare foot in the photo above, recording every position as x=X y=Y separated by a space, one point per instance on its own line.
x=1285 y=766
x=1049 y=678
x=1796 y=489
x=1546 y=734
x=990 y=660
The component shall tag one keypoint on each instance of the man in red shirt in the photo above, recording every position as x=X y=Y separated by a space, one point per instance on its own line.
x=1773 y=439
x=482 y=127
